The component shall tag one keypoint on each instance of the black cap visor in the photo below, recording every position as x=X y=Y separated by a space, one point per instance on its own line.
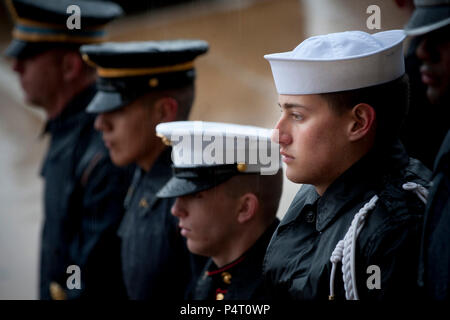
x=106 y=102
x=427 y=19
x=23 y=49
x=177 y=187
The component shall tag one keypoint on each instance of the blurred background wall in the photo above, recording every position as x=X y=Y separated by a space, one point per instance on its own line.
x=234 y=84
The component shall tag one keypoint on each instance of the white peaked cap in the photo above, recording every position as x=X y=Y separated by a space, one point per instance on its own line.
x=339 y=62
x=192 y=143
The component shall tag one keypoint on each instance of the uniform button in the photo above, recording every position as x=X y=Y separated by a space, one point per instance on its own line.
x=220 y=296
x=226 y=277
x=310 y=217
x=57 y=292
x=143 y=203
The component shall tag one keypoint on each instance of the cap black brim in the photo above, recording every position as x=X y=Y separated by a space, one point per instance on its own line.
x=177 y=187
x=23 y=49
x=427 y=19
x=105 y=102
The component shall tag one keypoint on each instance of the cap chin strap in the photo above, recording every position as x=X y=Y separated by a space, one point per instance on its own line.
x=345 y=249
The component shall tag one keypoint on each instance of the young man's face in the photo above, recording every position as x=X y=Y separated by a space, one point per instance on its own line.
x=129 y=133
x=40 y=77
x=434 y=51
x=206 y=220
x=311 y=137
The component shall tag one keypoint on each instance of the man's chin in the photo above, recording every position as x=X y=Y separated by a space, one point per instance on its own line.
x=293 y=176
x=437 y=96
x=119 y=161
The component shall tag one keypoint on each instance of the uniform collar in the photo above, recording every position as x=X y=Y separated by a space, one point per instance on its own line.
x=75 y=107
x=360 y=182
x=150 y=182
x=258 y=248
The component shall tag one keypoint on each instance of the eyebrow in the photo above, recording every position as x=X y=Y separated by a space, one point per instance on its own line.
x=292 y=105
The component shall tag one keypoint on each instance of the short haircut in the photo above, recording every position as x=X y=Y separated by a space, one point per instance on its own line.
x=389 y=100
x=183 y=95
x=267 y=188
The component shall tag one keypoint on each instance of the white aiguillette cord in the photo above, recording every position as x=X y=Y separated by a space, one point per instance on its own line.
x=345 y=249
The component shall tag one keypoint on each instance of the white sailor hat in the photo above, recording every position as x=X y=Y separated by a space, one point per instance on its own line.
x=206 y=154
x=339 y=62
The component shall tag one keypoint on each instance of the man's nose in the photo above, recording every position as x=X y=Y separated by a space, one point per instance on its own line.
x=424 y=50
x=100 y=122
x=17 y=65
x=280 y=135
x=177 y=209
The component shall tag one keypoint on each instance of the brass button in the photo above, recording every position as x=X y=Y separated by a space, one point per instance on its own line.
x=153 y=82
x=143 y=203
x=57 y=292
x=164 y=139
x=226 y=277
x=220 y=296
x=241 y=167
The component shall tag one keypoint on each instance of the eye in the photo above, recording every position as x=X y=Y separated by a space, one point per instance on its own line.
x=296 y=116
x=197 y=195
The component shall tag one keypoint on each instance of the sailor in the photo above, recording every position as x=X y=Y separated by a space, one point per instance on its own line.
x=227 y=183
x=83 y=191
x=353 y=229
x=142 y=84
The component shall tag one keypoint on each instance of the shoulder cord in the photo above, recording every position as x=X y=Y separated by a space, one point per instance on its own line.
x=345 y=249
x=418 y=189
x=345 y=252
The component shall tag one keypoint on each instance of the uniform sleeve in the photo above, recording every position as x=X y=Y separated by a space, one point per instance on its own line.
x=390 y=260
x=101 y=191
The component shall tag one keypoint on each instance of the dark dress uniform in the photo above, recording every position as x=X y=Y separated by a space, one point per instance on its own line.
x=153 y=249
x=434 y=265
x=297 y=264
x=83 y=199
x=239 y=280
x=156 y=263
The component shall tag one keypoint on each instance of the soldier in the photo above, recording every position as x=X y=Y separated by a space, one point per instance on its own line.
x=83 y=190
x=140 y=85
x=342 y=98
x=227 y=209
x=430 y=23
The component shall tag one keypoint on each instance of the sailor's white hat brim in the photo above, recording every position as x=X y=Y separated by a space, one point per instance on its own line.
x=309 y=75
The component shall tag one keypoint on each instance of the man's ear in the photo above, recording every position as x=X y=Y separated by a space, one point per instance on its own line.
x=166 y=109
x=363 y=118
x=248 y=205
x=72 y=66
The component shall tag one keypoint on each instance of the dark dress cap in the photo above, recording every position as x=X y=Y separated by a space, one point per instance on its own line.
x=128 y=70
x=429 y=15
x=42 y=24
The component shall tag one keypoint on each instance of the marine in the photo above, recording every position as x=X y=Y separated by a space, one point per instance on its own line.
x=226 y=204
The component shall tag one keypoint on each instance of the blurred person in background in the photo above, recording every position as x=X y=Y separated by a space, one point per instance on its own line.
x=84 y=191
x=430 y=27
x=142 y=84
